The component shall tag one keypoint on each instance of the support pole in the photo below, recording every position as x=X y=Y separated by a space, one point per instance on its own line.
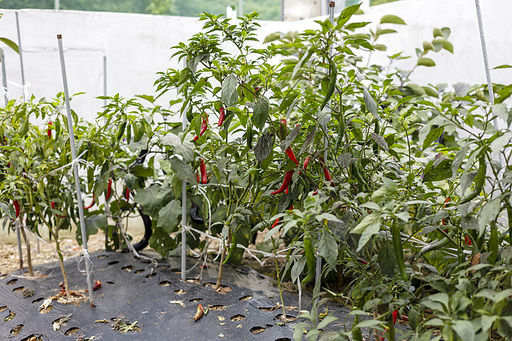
x=240 y=8
x=20 y=251
x=4 y=77
x=105 y=79
x=57 y=5
x=22 y=69
x=75 y=170
x=184 y=214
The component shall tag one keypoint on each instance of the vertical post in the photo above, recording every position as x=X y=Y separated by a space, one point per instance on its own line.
x=21 y=64
x=104 y=79
x=282 y=10
x=75 y=169
x=184 y=212
x=4 y=77
x=57 y=5
x=240 y=7
x=20 y=252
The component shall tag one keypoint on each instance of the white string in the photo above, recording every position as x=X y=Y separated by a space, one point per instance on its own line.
x=131 y=248
x=23 y=87
x=76 y=161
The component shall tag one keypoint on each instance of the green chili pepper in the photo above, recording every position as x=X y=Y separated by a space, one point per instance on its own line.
x=357 y=335
x=120 y=131
x=479 y=181
x=399 y=251
x=232 y=250
x=493 y=244
x=332 y=83
x=249 y=134
x=310 y=258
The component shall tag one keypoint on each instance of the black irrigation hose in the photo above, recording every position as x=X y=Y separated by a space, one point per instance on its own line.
x=148 y=232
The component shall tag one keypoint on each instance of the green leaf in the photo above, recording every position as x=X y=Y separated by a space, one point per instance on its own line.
x=326 y=320
x=437 y=172
x=229 y=92
x=446 y=32
x=504 y=66
x=418 y=90
x=375 y=324
x=185 y=148
x=263 y=147
x=309 y=139
x=414 y=317
x=387 y=259
x=446 y=44
x=489 y=213
x=371 y=219
x=392 y=19
x=24 y=128
x=369 y=232
x=261 y=110
x=380 y=47
x=11 y=44
x=461 y=155
x=346 y=14
x=381 y=142
x=183 y=170
x=498 y=144
x=305 y=57
x=153 y=198
x=299 y=330
x=161 y=242
x=370 y=103
x=390 y=184
x=426 y=62
x=328 y=248
x=92 y=225
x=297 y=268
x=464 y=329
x=432 y=136
x=437 y=33
x=428 y=46
x=290 y=138
x=272 y=37
x=168 y=216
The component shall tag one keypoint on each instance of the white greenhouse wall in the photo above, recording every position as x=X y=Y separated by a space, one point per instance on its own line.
x=138 y=46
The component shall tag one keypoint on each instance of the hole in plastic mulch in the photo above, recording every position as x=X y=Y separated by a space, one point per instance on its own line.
x=151 y=275
x=111 y=283
x=289 y=317
x=10 y=316
x=145 y=261
x=3 y=276
x=102 y=256
x=284 y=339
x=127 y=268
x=237 y=317
x=223 y=289
x=33 y=337
x=38 y=300
x=180 y=292
x=195 y=300
x=139 y=271
x=218 y=307
x=3 y=308
x=16 y=330
x=71 y=331
x=165 y=283
x=245 y=298
x=113 y=262
x=18 y=289
x=11 y=282
x=176 y=271
x=193 y=280
x=46 y=310
x=257 y=329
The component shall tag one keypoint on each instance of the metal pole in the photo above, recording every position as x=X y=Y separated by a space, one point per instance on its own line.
x=184 y=212
x=486 y=64
x=105 y=79
x=4 y=77
x=21 y=60
x=75 y=170
x=282 y=10
x=20 y=252
x=240 y=8
x=57 y=5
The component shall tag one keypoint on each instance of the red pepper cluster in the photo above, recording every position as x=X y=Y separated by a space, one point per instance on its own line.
x=204 y=127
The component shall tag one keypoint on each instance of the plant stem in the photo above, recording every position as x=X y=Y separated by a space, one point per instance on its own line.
x=279 y=281
x=221 y=269
x=29 y=257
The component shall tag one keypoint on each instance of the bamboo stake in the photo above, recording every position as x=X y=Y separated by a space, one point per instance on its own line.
x=75 y=170
x=184 y=215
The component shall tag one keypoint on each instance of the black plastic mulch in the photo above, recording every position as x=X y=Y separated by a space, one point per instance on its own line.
x=135 y=291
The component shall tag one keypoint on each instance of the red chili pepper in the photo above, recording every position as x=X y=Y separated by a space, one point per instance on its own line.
x=16 y=208
x=326 y=170
x=445 y=202
x=222 y=116
x=291 y=155
x=92 y=203
x=204 y=126
x=315 y=192
x=306 y=162
x=127 y=194
x=49 y=131
x=199 y=313
x=467 y=240
x=97 y=285
x=59 y=216
x=109 y=189
x=395 y=315
x=275 y=223
x=283 y=131
x=204 y=175
x=197 y=176
x=286 y=182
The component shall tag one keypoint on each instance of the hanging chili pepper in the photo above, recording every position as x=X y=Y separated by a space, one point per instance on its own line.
x=310 y=257
x=197 y=177
x=291 y=155
x=306 y=162
x=49 y=131
x=326 y=170
x=398 y=247
x=204 y=126
x=286 y=182
x=231 y=253
x=395 y=315
x=315 y=192
x=222 y=116
x=59 y=216
x=283 y=130
x=109 y=189
x=204 y=175
x=91 y=204
x=467 y=240
x=127 y=194
x=16 y=207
